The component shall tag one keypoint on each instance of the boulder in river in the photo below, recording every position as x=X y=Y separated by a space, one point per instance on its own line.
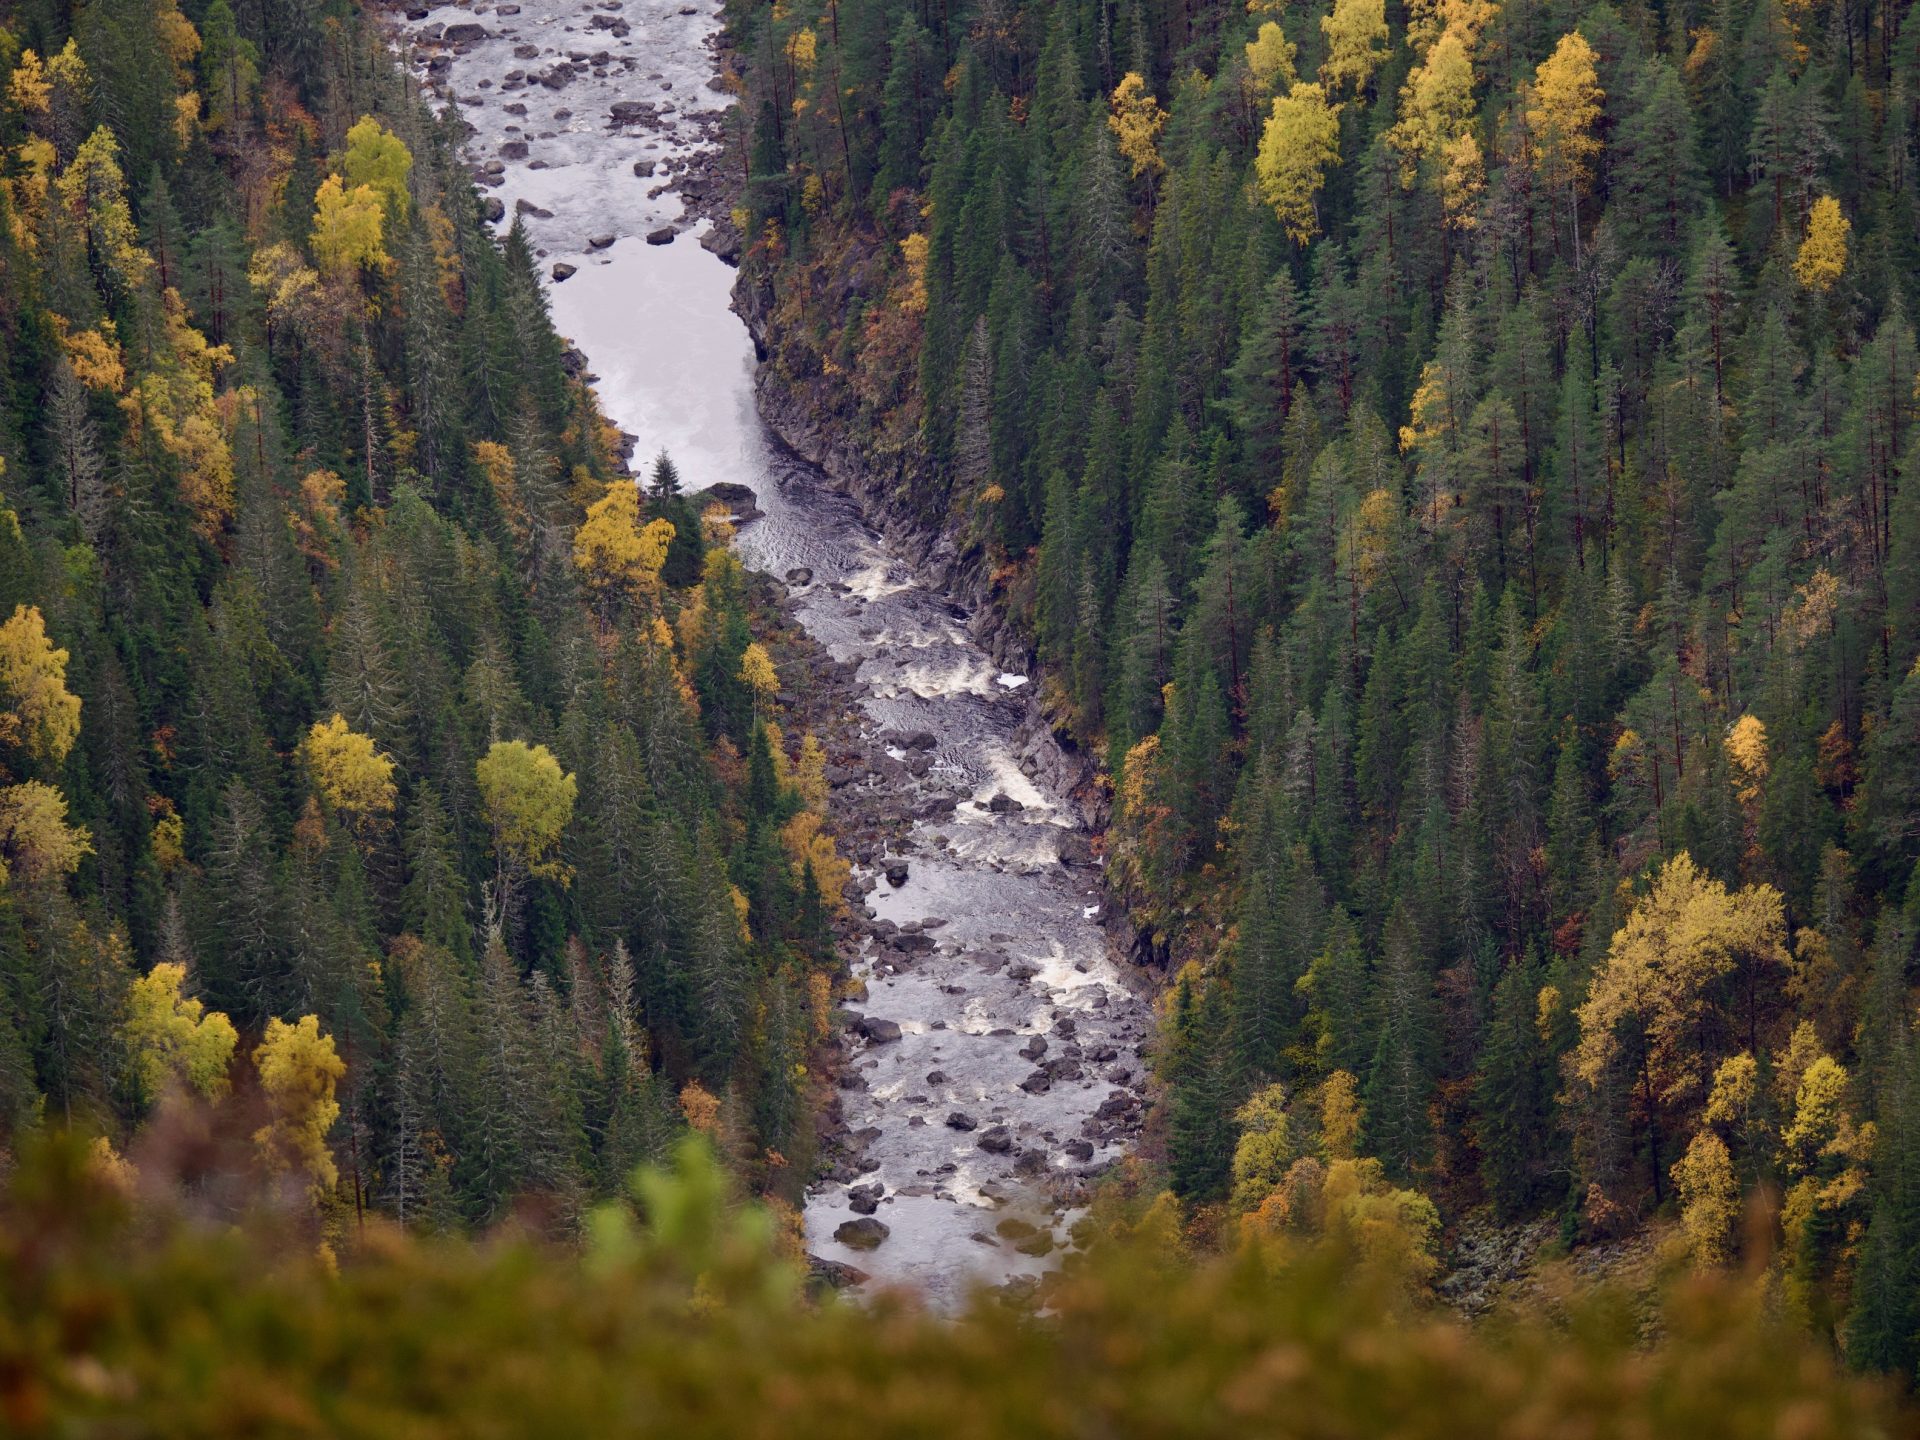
x=996 y=1141
x=799 y=575
x=865 y=1233
x=897 y=874
x=1004 y=804
x=1038 y=1083
x=563 y=271
x=834 y=1275
x=865 y=1199
x=662 y=236
x=960 y=1120
x=464 y=34
x=1075 y=850
x=875 y=1030
x=600 y=242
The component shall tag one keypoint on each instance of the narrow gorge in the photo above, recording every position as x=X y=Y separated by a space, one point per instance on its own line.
x=993 y=1061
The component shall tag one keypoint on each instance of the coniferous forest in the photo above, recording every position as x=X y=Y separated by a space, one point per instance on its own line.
x=1450 y=457
x=359 y=725
x=1452 y=462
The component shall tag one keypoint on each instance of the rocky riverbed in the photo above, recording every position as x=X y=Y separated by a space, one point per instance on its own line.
x=991 y=1054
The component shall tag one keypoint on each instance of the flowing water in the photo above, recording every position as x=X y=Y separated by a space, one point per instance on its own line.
x=1015 y=1021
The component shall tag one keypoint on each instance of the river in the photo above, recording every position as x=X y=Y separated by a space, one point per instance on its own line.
x=1016 y=1074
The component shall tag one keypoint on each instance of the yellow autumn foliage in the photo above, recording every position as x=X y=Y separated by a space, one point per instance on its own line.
x=94 y=354
x=36 y=843
x=378 y=160
x=1356 y=35
x=1270 y=58
x=93 y=189
x=619 y=557
x=757 y=672
x=1823 y=254
x=803 y=48
x=348 y=229
x=913 y=250
x=1679 y=940
x=287 y=285
x=810 y=772
x=1264 y=1151
x=1746 y=746
x=173 y=1038
x=529 y=801
x=174 y=401
x=1300 y=141
x=1563 y=107
x=1436 y=104
x=39 y=716
x=806 y=844
x=1709 y=1198
x=299 y=1068
x=35 y=83
x=352 y=775
x=1136 y=120
x=1340 y=1115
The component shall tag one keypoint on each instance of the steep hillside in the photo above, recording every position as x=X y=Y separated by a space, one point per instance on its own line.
x=1451 y=461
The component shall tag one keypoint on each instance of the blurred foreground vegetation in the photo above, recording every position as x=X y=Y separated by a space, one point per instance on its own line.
x=150 y=1319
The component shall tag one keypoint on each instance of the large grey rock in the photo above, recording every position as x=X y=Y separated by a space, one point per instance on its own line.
x=834 y=1275
x=875 y=1031
x=866 y=1233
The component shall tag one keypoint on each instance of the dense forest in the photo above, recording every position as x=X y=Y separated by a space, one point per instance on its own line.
x=379 y=767
x=1450 y=458
x=1449 y=462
